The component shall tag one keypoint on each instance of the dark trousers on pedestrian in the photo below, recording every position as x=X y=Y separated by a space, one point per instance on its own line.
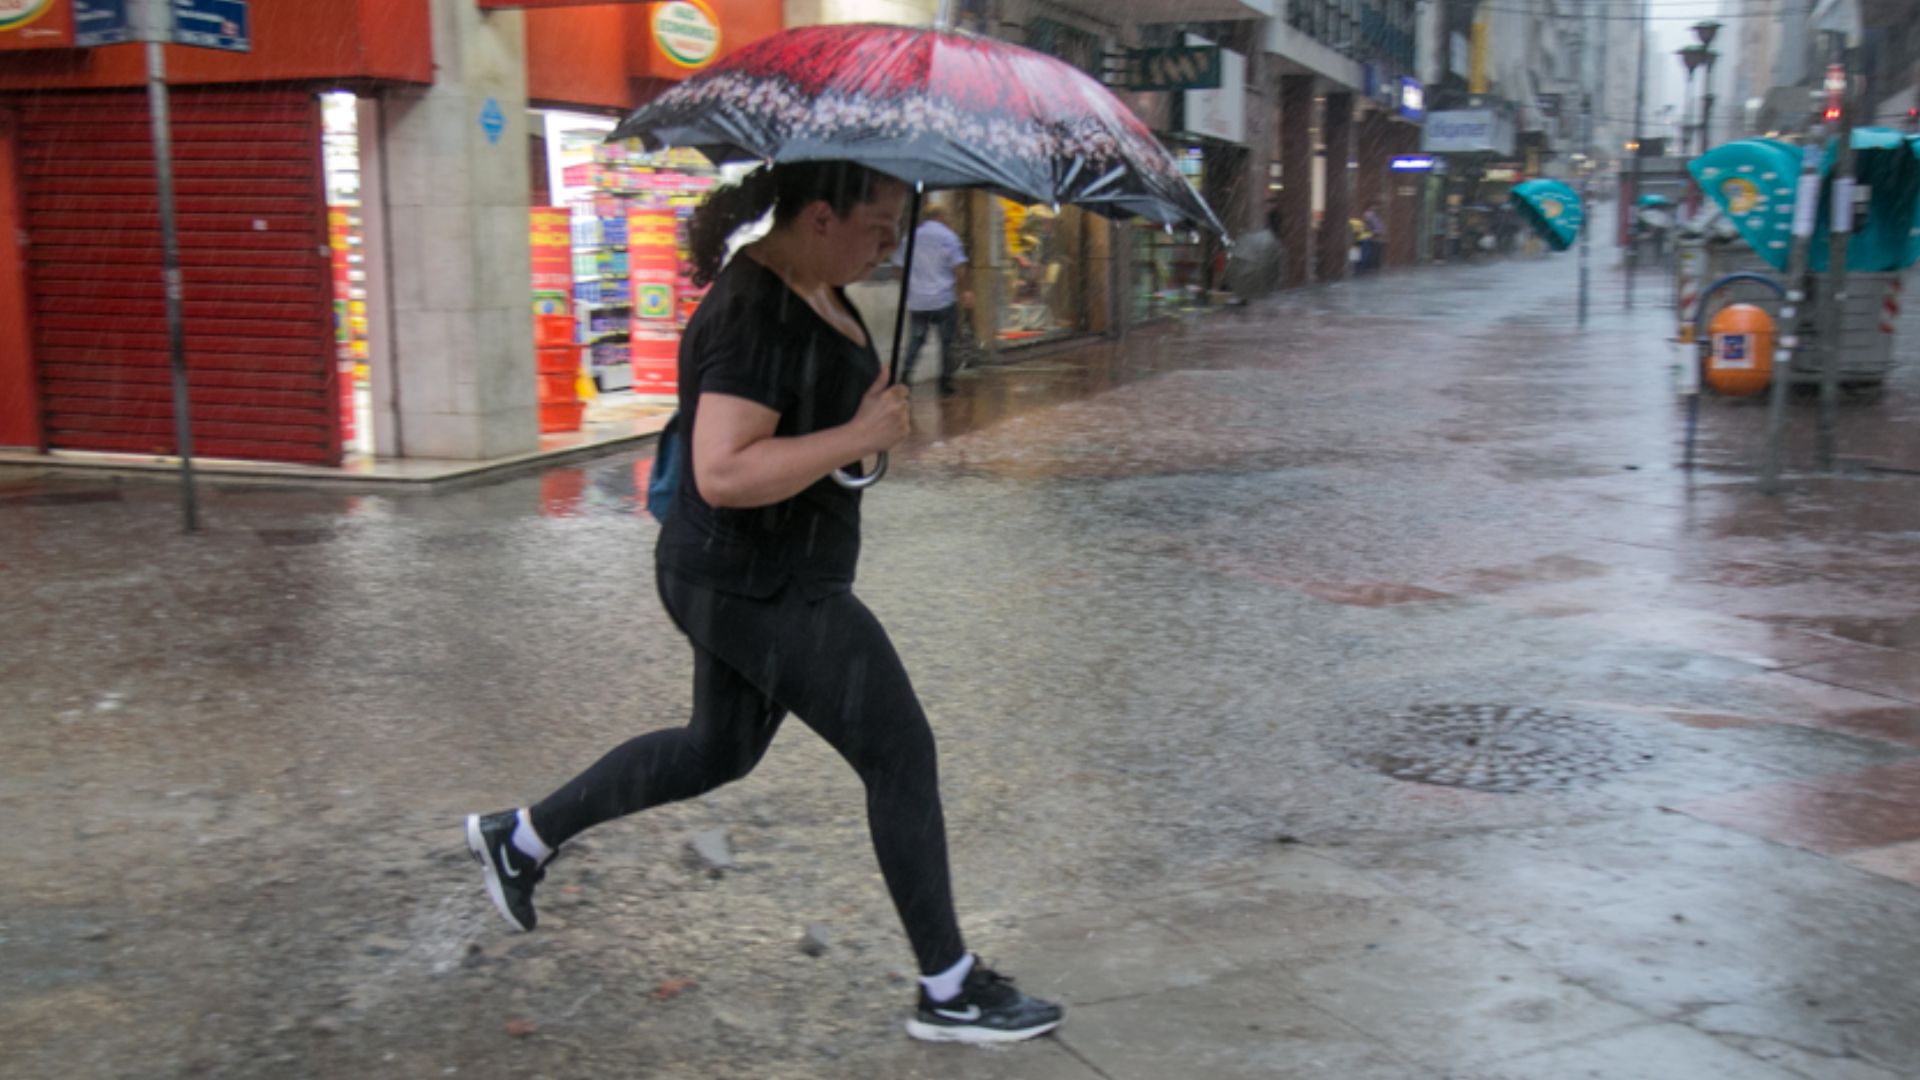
x=946 y=321
x=829 y=662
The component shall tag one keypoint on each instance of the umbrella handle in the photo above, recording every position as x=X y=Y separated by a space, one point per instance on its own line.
x=858 y=483
x=840 y=476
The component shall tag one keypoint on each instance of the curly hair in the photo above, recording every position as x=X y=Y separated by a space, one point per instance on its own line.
x=786 y=190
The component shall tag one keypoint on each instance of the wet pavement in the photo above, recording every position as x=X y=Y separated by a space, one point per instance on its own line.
x=1348 y=686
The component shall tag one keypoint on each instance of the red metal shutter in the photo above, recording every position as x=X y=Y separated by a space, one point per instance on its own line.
x=252 y=213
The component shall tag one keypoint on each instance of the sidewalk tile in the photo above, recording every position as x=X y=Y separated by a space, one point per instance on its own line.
x=1652 y=1052
x=1039 y=1059
x=1091 y=956
x=1900 y=862
x=1242 y=1028
x=1452 y=1001
x=1815 y=818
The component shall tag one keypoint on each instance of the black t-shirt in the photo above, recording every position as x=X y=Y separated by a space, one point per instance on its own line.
x=753 y=337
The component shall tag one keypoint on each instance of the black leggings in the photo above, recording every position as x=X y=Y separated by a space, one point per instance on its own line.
x=829 y=662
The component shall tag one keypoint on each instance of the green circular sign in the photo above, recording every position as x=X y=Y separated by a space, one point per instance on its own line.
x=687 y=33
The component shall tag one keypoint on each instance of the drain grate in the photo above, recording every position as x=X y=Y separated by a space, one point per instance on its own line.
x=1501 y=748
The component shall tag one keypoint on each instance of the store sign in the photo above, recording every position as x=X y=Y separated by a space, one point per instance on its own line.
x=1467 y=131
x=1413 y=99
x=653 y=259
x=102 y=22
x=1192 y=67
x=1412 y=163
x=1220 y=114
x=212 y=24
x=551 y=245
x=36 y=24
x=687 y=33
x=493 y=121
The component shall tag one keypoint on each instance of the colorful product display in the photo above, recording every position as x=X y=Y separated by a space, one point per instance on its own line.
x=346 y=240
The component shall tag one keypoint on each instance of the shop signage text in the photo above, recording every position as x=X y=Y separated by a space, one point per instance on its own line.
x=90 y=24
x=1219 y=114
x=687 y=33
x=36 y=24
x=1413 y=98
x=1461 y=131
x=1412 y=163
x=212 y=24
x=1190 y=67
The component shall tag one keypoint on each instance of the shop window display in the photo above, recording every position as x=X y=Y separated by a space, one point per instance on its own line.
x=1169 y=272
x=1039 y=260
x=346 y=240
x=632 y=287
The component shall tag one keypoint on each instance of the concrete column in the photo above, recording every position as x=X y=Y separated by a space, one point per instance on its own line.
x=1403 y=205
x=1375 y=148
x=1250 y=211
x=1335 y=234
x=460 y=287
x=1296 y=174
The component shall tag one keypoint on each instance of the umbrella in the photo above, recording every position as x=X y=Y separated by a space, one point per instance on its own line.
x=1886 y=163
x=1753 y=182
x=1553 y=209
x=936 y=108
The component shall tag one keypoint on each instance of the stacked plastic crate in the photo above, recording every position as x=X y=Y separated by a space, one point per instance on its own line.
x=559 y=366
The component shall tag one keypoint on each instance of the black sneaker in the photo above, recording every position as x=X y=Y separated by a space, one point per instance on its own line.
x=511 y=873
x=988 y=1010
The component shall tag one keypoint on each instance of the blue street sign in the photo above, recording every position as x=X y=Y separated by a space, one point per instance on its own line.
x=212 y=24
x=492 y=121
x=1411 y=163
x=101 y=22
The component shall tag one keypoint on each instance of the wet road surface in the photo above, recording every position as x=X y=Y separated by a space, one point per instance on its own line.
x=1348 y=686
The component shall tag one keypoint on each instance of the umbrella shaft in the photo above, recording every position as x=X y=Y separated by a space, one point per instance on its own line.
x=906 y=288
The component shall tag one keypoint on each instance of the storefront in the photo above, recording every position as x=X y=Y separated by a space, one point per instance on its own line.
x=615 y=216
x=84 y=360
x=298 y=344
x=1175 y=271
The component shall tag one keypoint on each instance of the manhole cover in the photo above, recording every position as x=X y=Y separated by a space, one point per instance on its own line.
x=1500 y=748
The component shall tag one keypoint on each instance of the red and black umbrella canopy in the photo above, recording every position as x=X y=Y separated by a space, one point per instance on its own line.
x=937 y=108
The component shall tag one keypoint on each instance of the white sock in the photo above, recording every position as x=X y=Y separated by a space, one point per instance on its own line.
x=946 y=985
x=528 y=841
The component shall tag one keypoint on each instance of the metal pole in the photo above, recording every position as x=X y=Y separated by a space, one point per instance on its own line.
x=1639 y=107
x=160 y=14
x=1706 y=108
x=1833 y=308
x=1805 y=209
x=1586 y=202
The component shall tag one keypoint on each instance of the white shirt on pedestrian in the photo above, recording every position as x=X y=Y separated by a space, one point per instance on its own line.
x=937 y=259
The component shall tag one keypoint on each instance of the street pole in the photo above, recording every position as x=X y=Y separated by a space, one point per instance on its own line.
x=1586 y=200
x=1806 y=208
x=1706 y=106
x=1639 y=106
x=158 y=23
x=1833 y=308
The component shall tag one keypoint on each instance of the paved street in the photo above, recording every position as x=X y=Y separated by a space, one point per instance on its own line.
x=1350 y=686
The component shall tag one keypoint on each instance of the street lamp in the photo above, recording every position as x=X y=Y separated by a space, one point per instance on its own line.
x=1705 y=30
x=1693 y=56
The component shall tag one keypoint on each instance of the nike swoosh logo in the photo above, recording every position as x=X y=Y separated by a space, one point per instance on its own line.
x=506 y=864
x=967 y=1015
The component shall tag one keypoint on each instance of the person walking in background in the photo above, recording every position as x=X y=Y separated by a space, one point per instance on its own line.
x=935 y=296
x=1375 y=244
x=780 y=385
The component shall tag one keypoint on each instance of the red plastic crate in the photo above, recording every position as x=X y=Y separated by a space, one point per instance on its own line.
x=552 y=330
x=556 y=416
x=558 y=360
